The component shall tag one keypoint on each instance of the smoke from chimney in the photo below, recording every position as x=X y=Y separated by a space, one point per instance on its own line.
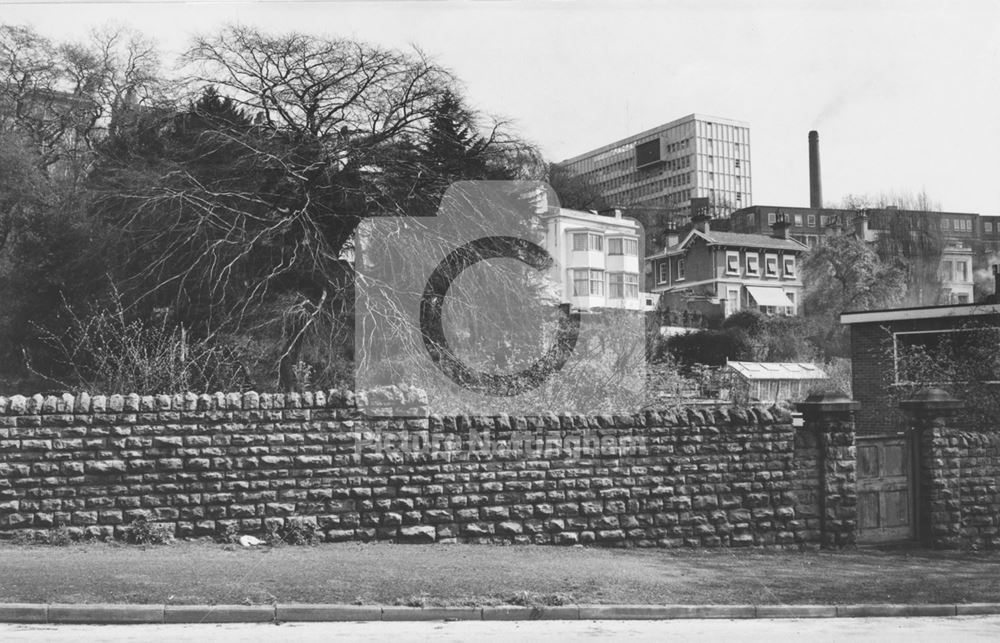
x=815 y=185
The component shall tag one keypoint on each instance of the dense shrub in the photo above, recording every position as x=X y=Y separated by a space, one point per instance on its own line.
x=711 y=347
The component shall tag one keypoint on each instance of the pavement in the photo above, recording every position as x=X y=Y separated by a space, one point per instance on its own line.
x=131 y=614
x=816 y=630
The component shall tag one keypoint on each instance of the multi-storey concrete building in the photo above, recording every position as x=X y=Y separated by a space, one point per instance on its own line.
x=598 y=259
x=667 y=166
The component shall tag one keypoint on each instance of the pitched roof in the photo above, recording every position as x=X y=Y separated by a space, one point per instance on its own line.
x=739 y=239
x=751 y=240
x=777 y=370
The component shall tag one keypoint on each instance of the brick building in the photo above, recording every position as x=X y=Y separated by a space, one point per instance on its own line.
x=876 y=338
x=924 y=470
x=718 y=273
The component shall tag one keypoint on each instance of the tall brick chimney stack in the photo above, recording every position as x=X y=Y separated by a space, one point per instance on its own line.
x=779 y=229
x=815 y=184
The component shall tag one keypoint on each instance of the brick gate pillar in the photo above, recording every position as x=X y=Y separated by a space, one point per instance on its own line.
x=830 y=417
x=939 y=512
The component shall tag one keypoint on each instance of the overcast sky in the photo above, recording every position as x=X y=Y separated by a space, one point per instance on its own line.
x=904 y=94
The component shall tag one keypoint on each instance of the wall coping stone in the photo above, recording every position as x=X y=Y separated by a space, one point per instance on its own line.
x=931 y=401
x=829 y=402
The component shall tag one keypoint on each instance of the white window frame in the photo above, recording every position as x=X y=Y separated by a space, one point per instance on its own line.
x=752 y=264
x=785 y=263
x=626 y=283
x=597 y=278
x=628 y=247
x=730 y=256
x=895 y=350
x=680 y=269
x=731 y=299
x=663 y=271
x=767 y=263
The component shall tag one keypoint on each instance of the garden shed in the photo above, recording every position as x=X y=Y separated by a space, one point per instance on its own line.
x=771 y=381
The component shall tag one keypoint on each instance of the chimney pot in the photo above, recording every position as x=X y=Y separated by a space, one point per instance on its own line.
x=700 y=222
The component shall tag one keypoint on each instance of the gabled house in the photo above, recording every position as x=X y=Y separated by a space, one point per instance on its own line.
x=719 y=273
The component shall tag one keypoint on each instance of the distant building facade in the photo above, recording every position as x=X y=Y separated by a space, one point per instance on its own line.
x=961 y=232
x=598 y=259
x=667 y=166
x=718 y=273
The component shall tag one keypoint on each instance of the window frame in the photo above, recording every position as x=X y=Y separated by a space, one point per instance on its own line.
x=755 y=270
x=598 y=278
x=768 y=257
x=663 y=271
x=940 y=331
x=786 y=261
x=585 y=281
x=732 y=254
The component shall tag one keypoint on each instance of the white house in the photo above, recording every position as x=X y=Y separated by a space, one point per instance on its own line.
x=598 y=259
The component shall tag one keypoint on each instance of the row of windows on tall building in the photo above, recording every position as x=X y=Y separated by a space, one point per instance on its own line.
x=724 y=132
x=684 y=144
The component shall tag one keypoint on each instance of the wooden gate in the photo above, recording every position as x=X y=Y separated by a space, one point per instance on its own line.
x=885 y=488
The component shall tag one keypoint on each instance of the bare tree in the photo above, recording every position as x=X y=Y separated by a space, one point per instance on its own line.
x=61 y=96
x=907 y=234
x=241 y=216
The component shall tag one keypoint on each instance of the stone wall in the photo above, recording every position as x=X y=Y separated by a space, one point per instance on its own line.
x=202 y=464
x=959 y=492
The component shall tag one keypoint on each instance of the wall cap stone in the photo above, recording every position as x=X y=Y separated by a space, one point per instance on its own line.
x=829 y=402
x=931 y=400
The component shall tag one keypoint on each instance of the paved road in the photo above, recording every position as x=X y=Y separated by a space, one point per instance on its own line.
x=908 y=630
